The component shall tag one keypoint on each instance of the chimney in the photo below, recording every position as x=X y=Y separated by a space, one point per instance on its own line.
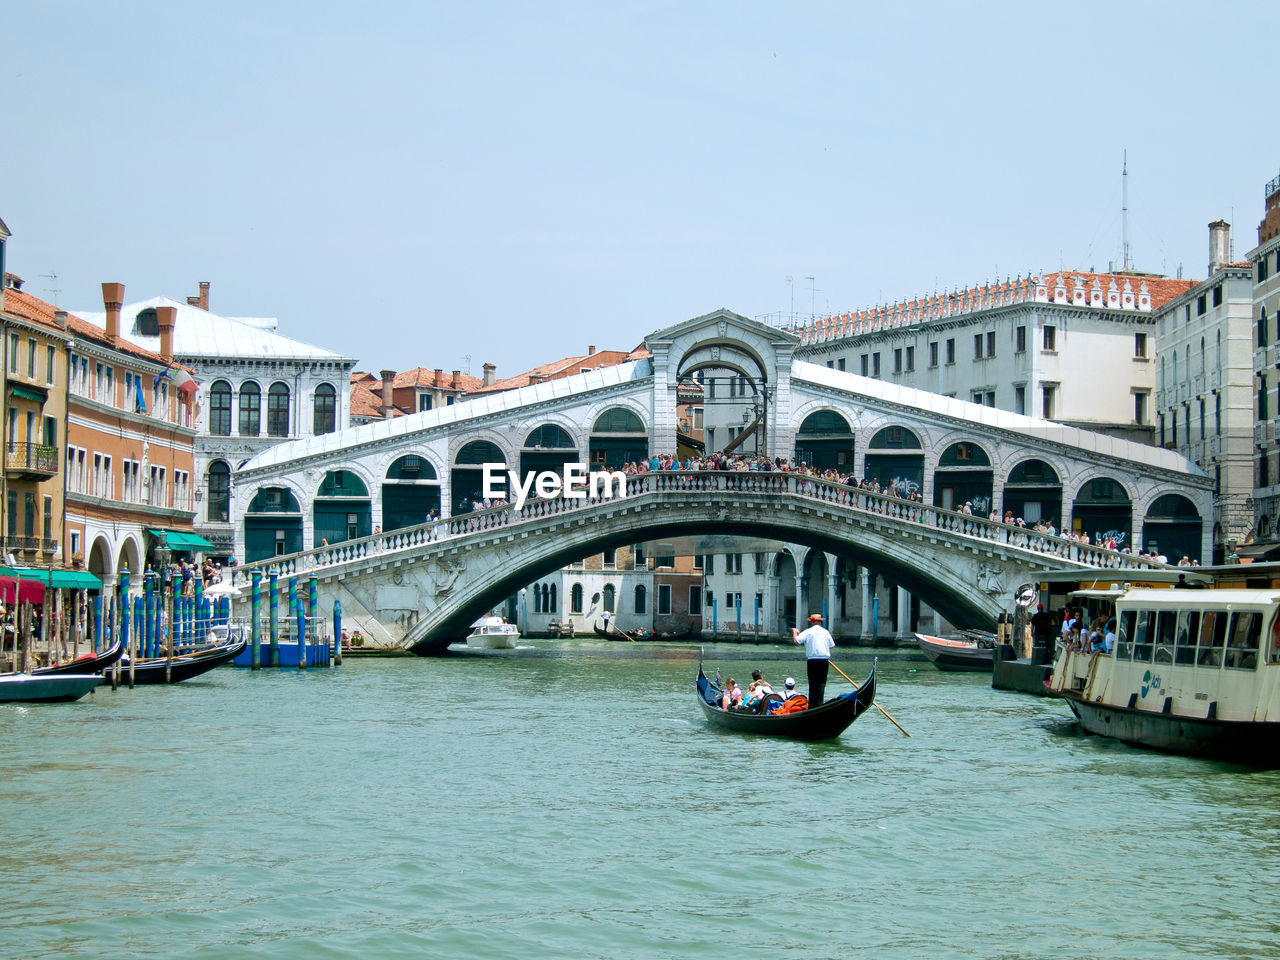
x=112 y=298
x=202 y=301
x=60 y=318
x=165 y=319
x=388 y=393
x=488 y=374
x=453 y=384
x=591 y=349
x=1219 y=245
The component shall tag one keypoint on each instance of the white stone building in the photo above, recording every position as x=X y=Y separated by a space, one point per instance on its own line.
x=1204 y=385
x=1071 y=346
x=1265 y=261
x=257 y=388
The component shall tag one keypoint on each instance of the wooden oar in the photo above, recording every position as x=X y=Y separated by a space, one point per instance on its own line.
x=873 y=703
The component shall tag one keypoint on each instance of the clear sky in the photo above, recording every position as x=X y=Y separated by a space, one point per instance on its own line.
x=415 y=183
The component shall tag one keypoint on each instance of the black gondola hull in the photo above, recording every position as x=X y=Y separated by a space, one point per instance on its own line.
x=825 y=722
x=161 y=670
x=87 y=664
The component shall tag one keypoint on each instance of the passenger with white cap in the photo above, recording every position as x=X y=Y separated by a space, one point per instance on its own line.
x=789 y=689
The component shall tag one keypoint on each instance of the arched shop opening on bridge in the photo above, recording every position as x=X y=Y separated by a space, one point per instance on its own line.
x=547 y=448
x=1033 y=493
x=618 y=437
x=825 y=441
x=272 y=524
x=963 y=476
x=1173 y=528
x=1103 y=510
x=410 y=491
x=895 y=455
x=466 y=480
x=342 y=509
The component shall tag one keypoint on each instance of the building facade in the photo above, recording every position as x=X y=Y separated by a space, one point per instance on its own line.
x=257 y=388
x=1073 y=346
x=1265 y=262
x=1204 y=385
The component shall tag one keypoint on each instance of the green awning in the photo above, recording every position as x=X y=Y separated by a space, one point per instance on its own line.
x=27 y=393
x=181 y=540
x=58 y=579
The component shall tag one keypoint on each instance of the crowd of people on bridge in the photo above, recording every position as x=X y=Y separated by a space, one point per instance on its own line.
x=902 y=500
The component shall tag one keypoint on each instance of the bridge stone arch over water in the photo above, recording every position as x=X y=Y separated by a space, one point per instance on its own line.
x=792 y=390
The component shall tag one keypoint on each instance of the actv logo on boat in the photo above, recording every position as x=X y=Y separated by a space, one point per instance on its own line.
x=574 y=482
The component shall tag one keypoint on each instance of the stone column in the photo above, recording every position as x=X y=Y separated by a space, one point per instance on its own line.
x=904 y=612
x=868 y=588
x=833 y=597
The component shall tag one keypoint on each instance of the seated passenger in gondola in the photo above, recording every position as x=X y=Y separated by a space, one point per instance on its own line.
x=757 y=689
x=732 y=695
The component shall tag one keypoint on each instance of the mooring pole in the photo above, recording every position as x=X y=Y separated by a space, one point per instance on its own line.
x=273 y=623
x=337 y=633
x=255 y=654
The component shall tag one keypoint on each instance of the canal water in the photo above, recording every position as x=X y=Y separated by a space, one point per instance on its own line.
x=575 y=804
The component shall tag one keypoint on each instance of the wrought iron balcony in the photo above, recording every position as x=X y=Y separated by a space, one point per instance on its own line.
x=30 y=460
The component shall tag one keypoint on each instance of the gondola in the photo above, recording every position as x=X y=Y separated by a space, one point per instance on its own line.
x=153 y=669
x=817 y=723
x=89 y=663
x=634 y=635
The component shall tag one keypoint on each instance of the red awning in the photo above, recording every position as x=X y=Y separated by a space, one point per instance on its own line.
x=29 y=591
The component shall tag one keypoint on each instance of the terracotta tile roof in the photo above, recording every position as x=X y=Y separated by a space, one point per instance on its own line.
x=365 y=403
x=1144 y=293
x=27 y=307
x=424 y=377
x=564 y=367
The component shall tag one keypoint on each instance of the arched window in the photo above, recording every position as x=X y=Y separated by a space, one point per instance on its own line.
x=575 y=599
x=278 y=410
x=250 y=409
x=552 y=607
x=608 y=597
x=537 y=597
x=640 y=598
x=219 y=509
x=325 y=410
x=220 y=409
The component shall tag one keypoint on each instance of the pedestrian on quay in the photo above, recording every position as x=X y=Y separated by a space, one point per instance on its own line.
x=818 y=644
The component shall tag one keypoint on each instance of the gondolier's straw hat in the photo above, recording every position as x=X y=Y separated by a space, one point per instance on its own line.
x=815 y=618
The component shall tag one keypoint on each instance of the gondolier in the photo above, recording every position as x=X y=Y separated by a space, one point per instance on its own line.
x=818 y=643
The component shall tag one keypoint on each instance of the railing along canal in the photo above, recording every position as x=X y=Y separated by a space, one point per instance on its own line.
x=504 y=516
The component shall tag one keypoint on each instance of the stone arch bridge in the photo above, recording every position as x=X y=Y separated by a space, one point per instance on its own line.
x=421 y=587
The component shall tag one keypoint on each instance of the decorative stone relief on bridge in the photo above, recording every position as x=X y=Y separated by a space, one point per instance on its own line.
x=989 y=579
x=444 y=573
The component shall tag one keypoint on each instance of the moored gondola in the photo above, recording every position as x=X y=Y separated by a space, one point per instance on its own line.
x=177 y=669
x=89 y=663
x=825 y=722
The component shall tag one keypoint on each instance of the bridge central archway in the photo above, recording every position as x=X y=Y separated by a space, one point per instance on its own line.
x=442 y=576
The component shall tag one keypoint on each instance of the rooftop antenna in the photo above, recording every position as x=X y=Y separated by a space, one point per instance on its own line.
x=53 y=288
x=791 y=282
x=467 y=358
x=1124 y=212
x=813 y=298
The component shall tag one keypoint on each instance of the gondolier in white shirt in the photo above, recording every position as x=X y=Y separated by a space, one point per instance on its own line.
x=818 y=643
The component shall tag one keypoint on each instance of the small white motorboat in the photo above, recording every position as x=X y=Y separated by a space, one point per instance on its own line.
x=26 y=688
x=493 y=633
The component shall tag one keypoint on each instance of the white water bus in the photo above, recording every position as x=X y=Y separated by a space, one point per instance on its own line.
x=1193 y=671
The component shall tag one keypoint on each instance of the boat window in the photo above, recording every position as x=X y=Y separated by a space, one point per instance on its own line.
x=1188 y=630
x=1124 y=642
x=1213 y=637
x=1142 y=637
x=1242 y=650
x=1274 y=654
x=1166 y=622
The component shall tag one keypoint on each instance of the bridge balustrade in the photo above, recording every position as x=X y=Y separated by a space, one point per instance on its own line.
x=907 y=512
